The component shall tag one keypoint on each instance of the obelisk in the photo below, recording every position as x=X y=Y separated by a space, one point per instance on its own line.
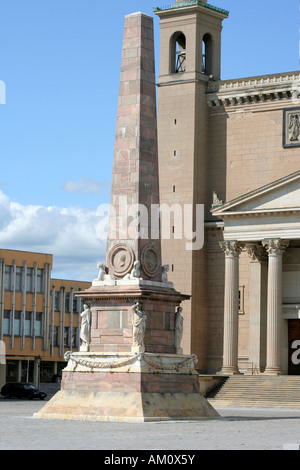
x=135 y=185
x=133 y=368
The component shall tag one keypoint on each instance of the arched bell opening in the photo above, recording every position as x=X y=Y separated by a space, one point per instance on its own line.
x=178 y=53
x=207 y=54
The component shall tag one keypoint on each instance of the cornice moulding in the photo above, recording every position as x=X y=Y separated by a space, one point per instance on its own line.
x=253 y=90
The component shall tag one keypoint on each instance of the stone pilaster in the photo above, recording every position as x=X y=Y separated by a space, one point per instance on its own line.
x=232 y=251
x=275 y=249
x=257 y=307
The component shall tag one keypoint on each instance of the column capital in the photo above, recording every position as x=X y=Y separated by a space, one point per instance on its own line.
x=275 y=247
x=231 y=248
x=256 y=252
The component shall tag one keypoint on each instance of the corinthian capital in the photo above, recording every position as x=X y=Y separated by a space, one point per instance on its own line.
x=231 y=248
x=256 y=252
x=275 y=246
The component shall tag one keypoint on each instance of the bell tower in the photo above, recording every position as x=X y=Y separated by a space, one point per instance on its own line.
x=192 y=28
x=190 y=56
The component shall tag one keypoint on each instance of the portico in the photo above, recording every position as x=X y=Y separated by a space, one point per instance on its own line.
x=264 y=223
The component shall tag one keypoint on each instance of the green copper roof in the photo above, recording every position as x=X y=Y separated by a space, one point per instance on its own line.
x=188 y=3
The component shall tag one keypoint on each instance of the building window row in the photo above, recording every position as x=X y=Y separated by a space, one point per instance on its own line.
x=12 y=324
x=20 y=278
x=70 y=336
x=70 y=304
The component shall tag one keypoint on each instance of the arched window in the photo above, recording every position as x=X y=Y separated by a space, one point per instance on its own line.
x=207 y=54
x=178 y=53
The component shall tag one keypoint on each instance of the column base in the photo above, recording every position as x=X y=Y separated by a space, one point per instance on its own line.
x=273 y=371
x=229 y=370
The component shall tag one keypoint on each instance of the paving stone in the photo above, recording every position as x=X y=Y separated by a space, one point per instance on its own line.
x=237 y=429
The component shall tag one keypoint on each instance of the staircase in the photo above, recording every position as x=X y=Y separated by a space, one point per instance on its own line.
x=259 y=391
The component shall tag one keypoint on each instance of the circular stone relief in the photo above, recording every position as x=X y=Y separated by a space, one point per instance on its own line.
x=120 y=259
x=149 y=260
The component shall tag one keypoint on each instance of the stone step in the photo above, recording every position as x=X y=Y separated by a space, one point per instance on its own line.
x=253 y=404
x=258 y=391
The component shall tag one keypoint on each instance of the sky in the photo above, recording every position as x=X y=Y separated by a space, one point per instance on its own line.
x=60 y=64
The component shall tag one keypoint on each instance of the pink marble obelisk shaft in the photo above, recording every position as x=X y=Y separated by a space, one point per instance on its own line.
x=135 y=170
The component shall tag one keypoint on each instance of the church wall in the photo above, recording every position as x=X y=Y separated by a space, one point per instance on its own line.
x=215 y=299
x=245 y=152
x=253 y=155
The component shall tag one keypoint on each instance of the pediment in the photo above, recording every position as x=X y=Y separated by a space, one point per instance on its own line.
x=280 y=196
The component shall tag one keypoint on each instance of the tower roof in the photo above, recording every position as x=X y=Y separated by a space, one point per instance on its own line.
x=192 y=3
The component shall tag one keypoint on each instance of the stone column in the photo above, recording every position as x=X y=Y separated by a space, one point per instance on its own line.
x=232 y=251
x=275 y=249
x=257 y=308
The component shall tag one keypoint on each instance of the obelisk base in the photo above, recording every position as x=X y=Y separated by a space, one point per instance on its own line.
x=130 y=388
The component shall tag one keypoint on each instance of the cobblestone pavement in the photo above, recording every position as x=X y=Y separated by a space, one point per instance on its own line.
x=236 y=429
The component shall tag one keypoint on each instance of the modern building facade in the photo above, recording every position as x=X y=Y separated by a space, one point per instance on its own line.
x=234 y=147
x=39 y=317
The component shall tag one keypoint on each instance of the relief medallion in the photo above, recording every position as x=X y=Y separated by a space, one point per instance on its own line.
x=150 y=260
x=120 y=258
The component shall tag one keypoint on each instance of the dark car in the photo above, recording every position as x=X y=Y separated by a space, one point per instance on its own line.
x=19 y=390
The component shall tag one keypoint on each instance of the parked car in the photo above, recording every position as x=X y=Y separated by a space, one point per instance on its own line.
x=19 y=390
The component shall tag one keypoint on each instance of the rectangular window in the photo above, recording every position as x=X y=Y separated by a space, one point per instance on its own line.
x=74 y=304
x=56 y=336
x=18 y=279
x=29 y=283
x=242 y=300
x=66 y=336
x=6 y=323
x=74 y=336
x=17 y=324
x=57 y=307
x=28 y=316
x=7 y=278
x=39 y=283
x=67 y=302
x=38 y=324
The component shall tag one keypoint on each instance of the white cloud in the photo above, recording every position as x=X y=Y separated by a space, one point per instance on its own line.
x=85 y=186
x=70 y=234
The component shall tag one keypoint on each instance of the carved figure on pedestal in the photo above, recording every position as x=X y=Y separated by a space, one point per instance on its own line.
x=178 y=330
x=164 y=275
x=139 y=328
x=216 y=201
x=136 y=271
x=102 y=272
x=85 y=329
x=102 y=276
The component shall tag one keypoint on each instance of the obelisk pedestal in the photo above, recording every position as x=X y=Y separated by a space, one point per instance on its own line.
x=134 y=370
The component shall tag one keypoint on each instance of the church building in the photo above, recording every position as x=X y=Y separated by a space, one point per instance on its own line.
x=233 y=147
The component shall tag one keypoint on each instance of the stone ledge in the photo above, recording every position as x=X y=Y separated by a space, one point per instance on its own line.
x=131 y=362
x=132 y=282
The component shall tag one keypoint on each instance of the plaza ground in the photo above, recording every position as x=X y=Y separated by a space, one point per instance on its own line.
x=236 y=429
